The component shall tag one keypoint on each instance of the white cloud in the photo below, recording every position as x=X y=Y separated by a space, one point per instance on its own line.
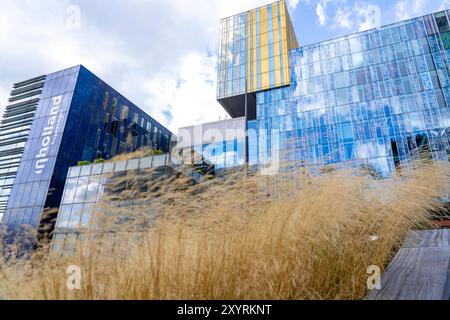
x=343 y=19
x=369 y=16
x=321 y=12
x=186 y=97
x=292 y=4
x=349 y=16
x=161 y=54
x=406 y=9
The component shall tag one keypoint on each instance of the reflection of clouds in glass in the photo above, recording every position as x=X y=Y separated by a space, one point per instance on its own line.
x=71 y=187
x=376 y=155
x=81 y=190
x=87 y=216
x=75 y=216
x=64 y=216
x=92 y=189
x=371 y=150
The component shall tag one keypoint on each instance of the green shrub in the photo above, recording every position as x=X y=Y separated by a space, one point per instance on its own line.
x=100 y=160
x=83 y=163
x=156 y=153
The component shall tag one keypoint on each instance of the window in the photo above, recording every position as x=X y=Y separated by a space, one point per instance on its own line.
x=349 y=151
x=113 y=106
x=146 y=163
x=343 y=114
x=86 y=217
x=69 y=194
x=120 y=166
x=358 y=59
x=435 y=80
x=114 y=145
x=346 y=132
x=97 y=139
x=341 y=96
x=403 y=68
x=355 y=45
x=97 y=169
x=341 y=80
x=81 y=190
x=124 y=113
x=85 y=170
x=445 y=38
x=426 y=79
x=386 y=37
x=92 y=189
x=133 y=164
x=360 y=76
x=410 y=31
x=105 y=100
x=75 y=216
x=106 y=122
x=58 y=243
x=441 y=21
x=114 y=128
x=74 y=172
x=407 y=85
x=64 y=216
x=108 y=167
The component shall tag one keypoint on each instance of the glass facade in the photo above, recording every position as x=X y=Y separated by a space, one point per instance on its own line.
x=372 y=99
x=14 y=132
x=254 y=46
x=78 y=118
x=254 y=53
x=87 y=185
x=222 y=143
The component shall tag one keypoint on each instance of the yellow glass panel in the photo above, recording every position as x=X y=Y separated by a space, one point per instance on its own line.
x=265 y=80
x=254 y=55
x=276 y=45
x=277 y=70
x=265 y=51
x=285 y=47
x=249 y=58
x=275 y=11
x=265 y=66
x=264 y=26
x=283 y=21
x=283 y=37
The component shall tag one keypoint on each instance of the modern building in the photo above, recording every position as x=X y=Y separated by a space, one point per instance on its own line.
x=52 y=123
x=372 y=99
x=376 y=99
x=91 y=191
x=220 y=142
x=253 y=56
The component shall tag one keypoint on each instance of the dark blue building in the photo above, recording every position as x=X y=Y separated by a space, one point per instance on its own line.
x=51 y=124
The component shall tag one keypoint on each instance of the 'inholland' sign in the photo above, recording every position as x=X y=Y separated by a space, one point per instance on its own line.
x=48 y=135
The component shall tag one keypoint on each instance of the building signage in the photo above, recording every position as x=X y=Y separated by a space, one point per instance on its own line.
x=49 y=134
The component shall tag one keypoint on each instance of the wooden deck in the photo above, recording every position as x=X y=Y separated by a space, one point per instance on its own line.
x=420 y=270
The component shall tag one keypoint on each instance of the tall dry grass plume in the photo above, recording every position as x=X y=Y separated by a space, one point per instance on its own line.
x=223 y=238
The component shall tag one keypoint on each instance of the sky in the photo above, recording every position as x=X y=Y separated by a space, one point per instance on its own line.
x=162 y=54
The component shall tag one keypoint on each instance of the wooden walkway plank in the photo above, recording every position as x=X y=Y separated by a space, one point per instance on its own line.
x=433 y=238
x=419 y=271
